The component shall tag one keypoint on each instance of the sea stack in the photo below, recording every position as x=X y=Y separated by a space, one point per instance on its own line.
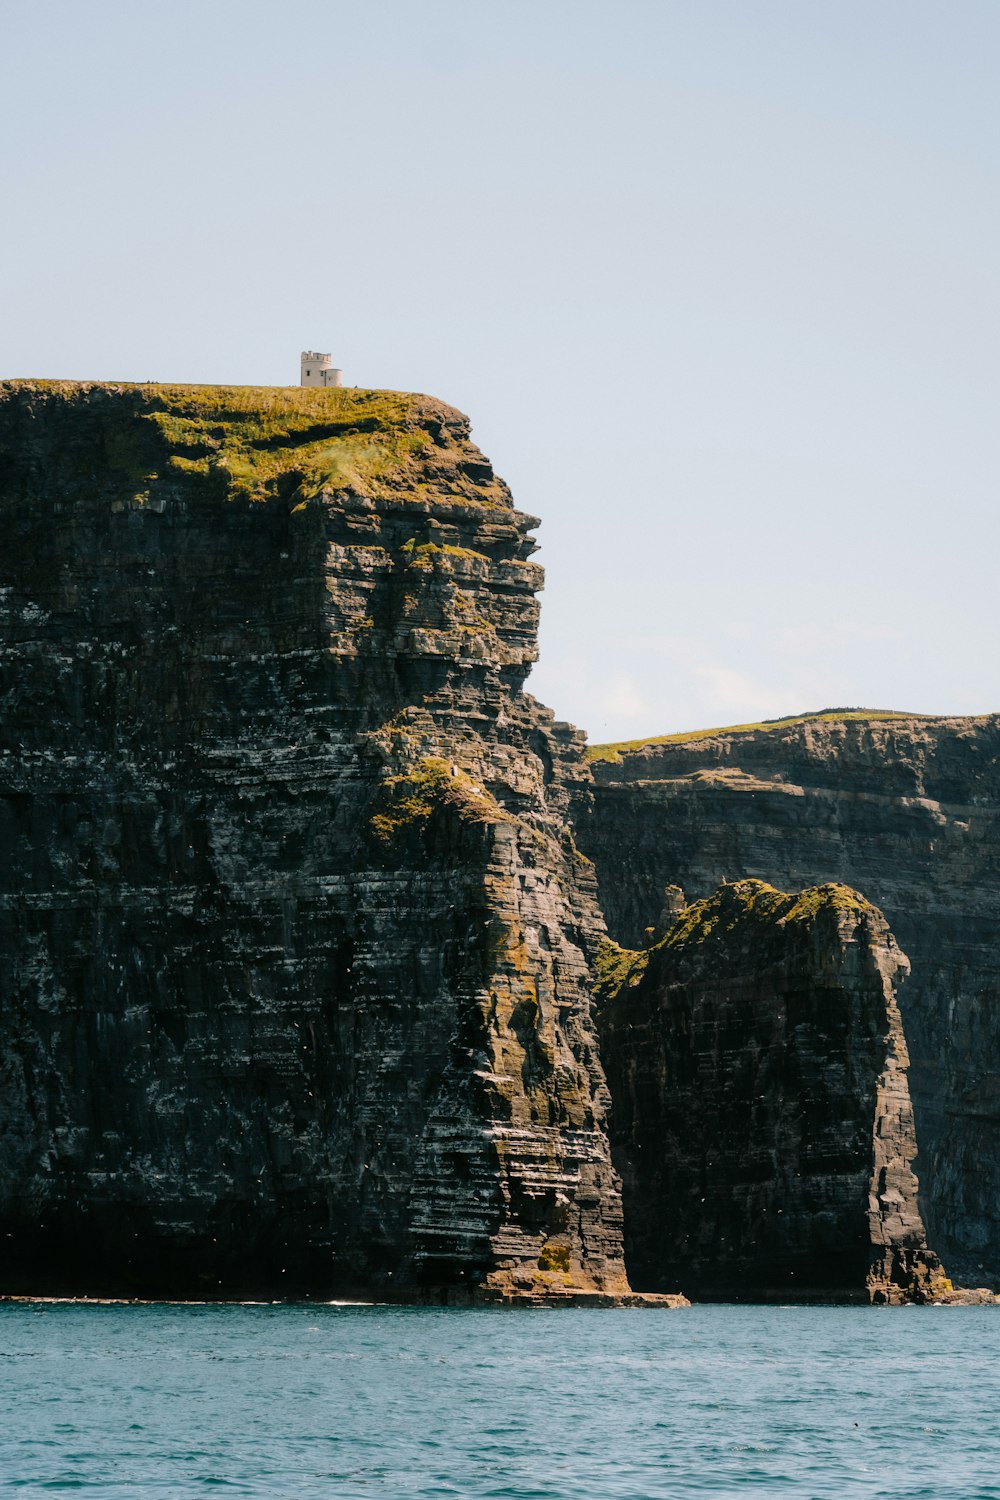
x=762 y=1122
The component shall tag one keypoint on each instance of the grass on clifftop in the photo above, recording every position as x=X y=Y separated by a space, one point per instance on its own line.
x=336 y=439
x=613 y=751
x=259 y=438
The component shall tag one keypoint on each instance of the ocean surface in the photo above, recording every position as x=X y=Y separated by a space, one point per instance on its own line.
x=335 y=1401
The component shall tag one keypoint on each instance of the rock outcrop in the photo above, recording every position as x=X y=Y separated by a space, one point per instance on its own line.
x=761 y=1118
x=295 y=942
x=906 y=810
x=294 y=989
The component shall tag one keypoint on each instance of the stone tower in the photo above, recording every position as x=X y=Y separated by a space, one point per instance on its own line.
x=317 y=369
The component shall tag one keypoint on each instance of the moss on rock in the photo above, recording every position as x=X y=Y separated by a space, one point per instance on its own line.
x=412 y=797
x=754 y=901
x=617 y=969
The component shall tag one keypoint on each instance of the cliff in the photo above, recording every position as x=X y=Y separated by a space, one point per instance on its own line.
x=761 y=1120
x=293 y=963
x=906 y=810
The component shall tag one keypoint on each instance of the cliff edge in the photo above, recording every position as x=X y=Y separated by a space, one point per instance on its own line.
x=293 y=937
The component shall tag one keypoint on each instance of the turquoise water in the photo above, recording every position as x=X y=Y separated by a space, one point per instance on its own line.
x=375 y=1401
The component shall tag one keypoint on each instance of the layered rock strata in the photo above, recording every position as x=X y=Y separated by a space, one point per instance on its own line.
x=294 y=992
x=762 y=1122
x=906 y=810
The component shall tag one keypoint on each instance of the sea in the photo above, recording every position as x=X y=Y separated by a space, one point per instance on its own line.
x=350 y=1401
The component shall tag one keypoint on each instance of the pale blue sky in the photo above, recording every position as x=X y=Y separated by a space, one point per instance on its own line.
x=716 y=280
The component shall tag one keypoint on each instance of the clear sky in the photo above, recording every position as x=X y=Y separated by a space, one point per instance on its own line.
x=718 y=282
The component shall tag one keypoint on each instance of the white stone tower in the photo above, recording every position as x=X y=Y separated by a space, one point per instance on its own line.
x=317 y=369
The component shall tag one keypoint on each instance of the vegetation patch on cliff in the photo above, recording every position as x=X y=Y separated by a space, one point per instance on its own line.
x=554 y=1256
x=741 y=905
x=339 y=439
x=743 y=902
x=423 y=554
x=617 y=969
x=409 y=799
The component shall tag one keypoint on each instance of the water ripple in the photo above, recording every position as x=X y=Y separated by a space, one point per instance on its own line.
x=353 y=1402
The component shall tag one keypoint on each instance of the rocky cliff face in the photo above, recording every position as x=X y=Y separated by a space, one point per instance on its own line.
x=761 y=1120
x=293 y=978
x=906 y=810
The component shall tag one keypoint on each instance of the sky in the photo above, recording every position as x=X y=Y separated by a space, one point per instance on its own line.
x=715 y=280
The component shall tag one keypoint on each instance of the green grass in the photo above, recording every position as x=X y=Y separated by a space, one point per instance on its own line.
x=260 y=441
x=613 y=752
x=337 y=439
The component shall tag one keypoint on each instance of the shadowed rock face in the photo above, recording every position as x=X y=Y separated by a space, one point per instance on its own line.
x=906 y=810
x=761 y=1121
x=293 y=985
x=294 y=940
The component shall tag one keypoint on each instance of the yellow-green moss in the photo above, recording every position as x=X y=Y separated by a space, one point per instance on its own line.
x=753 y=901
x=554 y=1257
x=424 y=554
x=427 y=549
x=617 y=969
x=614 y=751
x=409 y=799
x=734 y=907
